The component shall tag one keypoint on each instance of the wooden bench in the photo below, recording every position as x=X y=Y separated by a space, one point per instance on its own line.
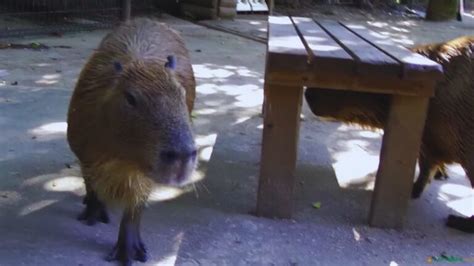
x=324 y=54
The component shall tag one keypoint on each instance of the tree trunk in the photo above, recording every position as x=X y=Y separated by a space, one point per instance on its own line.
x=439 y=10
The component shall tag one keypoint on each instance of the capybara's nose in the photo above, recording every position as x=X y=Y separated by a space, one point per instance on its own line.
x=171 y=156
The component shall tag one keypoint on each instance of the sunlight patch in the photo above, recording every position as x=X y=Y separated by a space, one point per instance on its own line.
x=206 y=88
x=51 y=76
x=235 y=90
x=457 y=169
x=204 y=71
x=171 y=258
x=206 y=146
x=356 y=234
x=378 y=24
x=163 y=193
x=205 y=111
x=41 y=64
x=241 y=120
x=464 y=206
x=355 y=165
x=206 y=153
x=456 y=190
x=35 y=207
x=249 y=100
x=247 y=73
x=67 y=183
x=51 y=128
x=46 y=81
x=371 y=134
x=206 y=140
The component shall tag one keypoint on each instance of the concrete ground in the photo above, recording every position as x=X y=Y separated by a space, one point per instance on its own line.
x=41 y=186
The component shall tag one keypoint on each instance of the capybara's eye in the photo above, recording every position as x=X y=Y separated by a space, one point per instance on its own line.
x=130 y=99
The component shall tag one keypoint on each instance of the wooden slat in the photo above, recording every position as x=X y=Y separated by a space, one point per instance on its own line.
x=414 y=65
x=325 y=52
x=370 y=60
x=285 y=48
x=354 y=82
x=400 y=148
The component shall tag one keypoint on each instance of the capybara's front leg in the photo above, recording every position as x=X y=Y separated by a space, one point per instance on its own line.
x=95 y=211
x=441 y=174
x=465 y=224
x=129 y=244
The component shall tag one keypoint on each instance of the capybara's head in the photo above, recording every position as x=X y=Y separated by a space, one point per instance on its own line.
x=366 y=109
x=147 y=124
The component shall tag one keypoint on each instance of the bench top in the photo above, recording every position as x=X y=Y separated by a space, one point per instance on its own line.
x=304 y=47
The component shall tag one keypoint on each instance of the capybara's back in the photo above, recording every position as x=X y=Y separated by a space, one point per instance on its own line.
x=449 y=131
x=129 y=124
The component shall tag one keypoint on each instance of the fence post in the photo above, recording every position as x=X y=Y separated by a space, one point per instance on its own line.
x=126 y=9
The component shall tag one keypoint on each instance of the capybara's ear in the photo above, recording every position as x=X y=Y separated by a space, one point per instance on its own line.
x=171 y=64
x=118 y=67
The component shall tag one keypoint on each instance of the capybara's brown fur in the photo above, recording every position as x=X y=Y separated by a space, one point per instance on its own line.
x=129 y=124
x=449 y=131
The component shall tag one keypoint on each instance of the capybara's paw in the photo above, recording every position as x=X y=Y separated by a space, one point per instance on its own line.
x=464 y=224
x=91 y=216
x=94 y=212
x=125 y=252
x=441 y=176
x=416 y=191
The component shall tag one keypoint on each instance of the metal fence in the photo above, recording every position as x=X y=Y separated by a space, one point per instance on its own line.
x=31 y=17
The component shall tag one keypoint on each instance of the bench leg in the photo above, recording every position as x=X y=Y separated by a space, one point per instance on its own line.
x=279 y=150
x=400 y=148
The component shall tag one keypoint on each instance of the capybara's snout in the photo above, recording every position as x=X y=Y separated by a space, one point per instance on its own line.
x=177 y=158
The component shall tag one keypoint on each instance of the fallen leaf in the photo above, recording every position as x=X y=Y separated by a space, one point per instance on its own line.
x=316 y=205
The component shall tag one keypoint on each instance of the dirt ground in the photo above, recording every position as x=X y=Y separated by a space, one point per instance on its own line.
x=41 y=185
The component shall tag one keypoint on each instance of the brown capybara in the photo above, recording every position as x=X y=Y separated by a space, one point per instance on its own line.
x=449 y=131
x=129 y=125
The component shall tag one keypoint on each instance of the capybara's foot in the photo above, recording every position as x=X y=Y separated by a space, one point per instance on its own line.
x=441 y=175
x=416 y=191
x=464 y=224
x=125 y=251
x=94 y=211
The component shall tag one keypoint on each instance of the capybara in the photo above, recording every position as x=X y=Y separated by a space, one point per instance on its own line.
x=448 y=135
x=129 y=125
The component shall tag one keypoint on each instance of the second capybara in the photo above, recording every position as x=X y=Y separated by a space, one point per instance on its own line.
x=129 y=125
x=448 y=135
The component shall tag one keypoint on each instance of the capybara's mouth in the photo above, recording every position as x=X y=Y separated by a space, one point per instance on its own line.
x=181 y=178
x=177 y=175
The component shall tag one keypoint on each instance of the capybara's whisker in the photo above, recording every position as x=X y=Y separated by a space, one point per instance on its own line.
x=195 y=191
x=205 y=187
